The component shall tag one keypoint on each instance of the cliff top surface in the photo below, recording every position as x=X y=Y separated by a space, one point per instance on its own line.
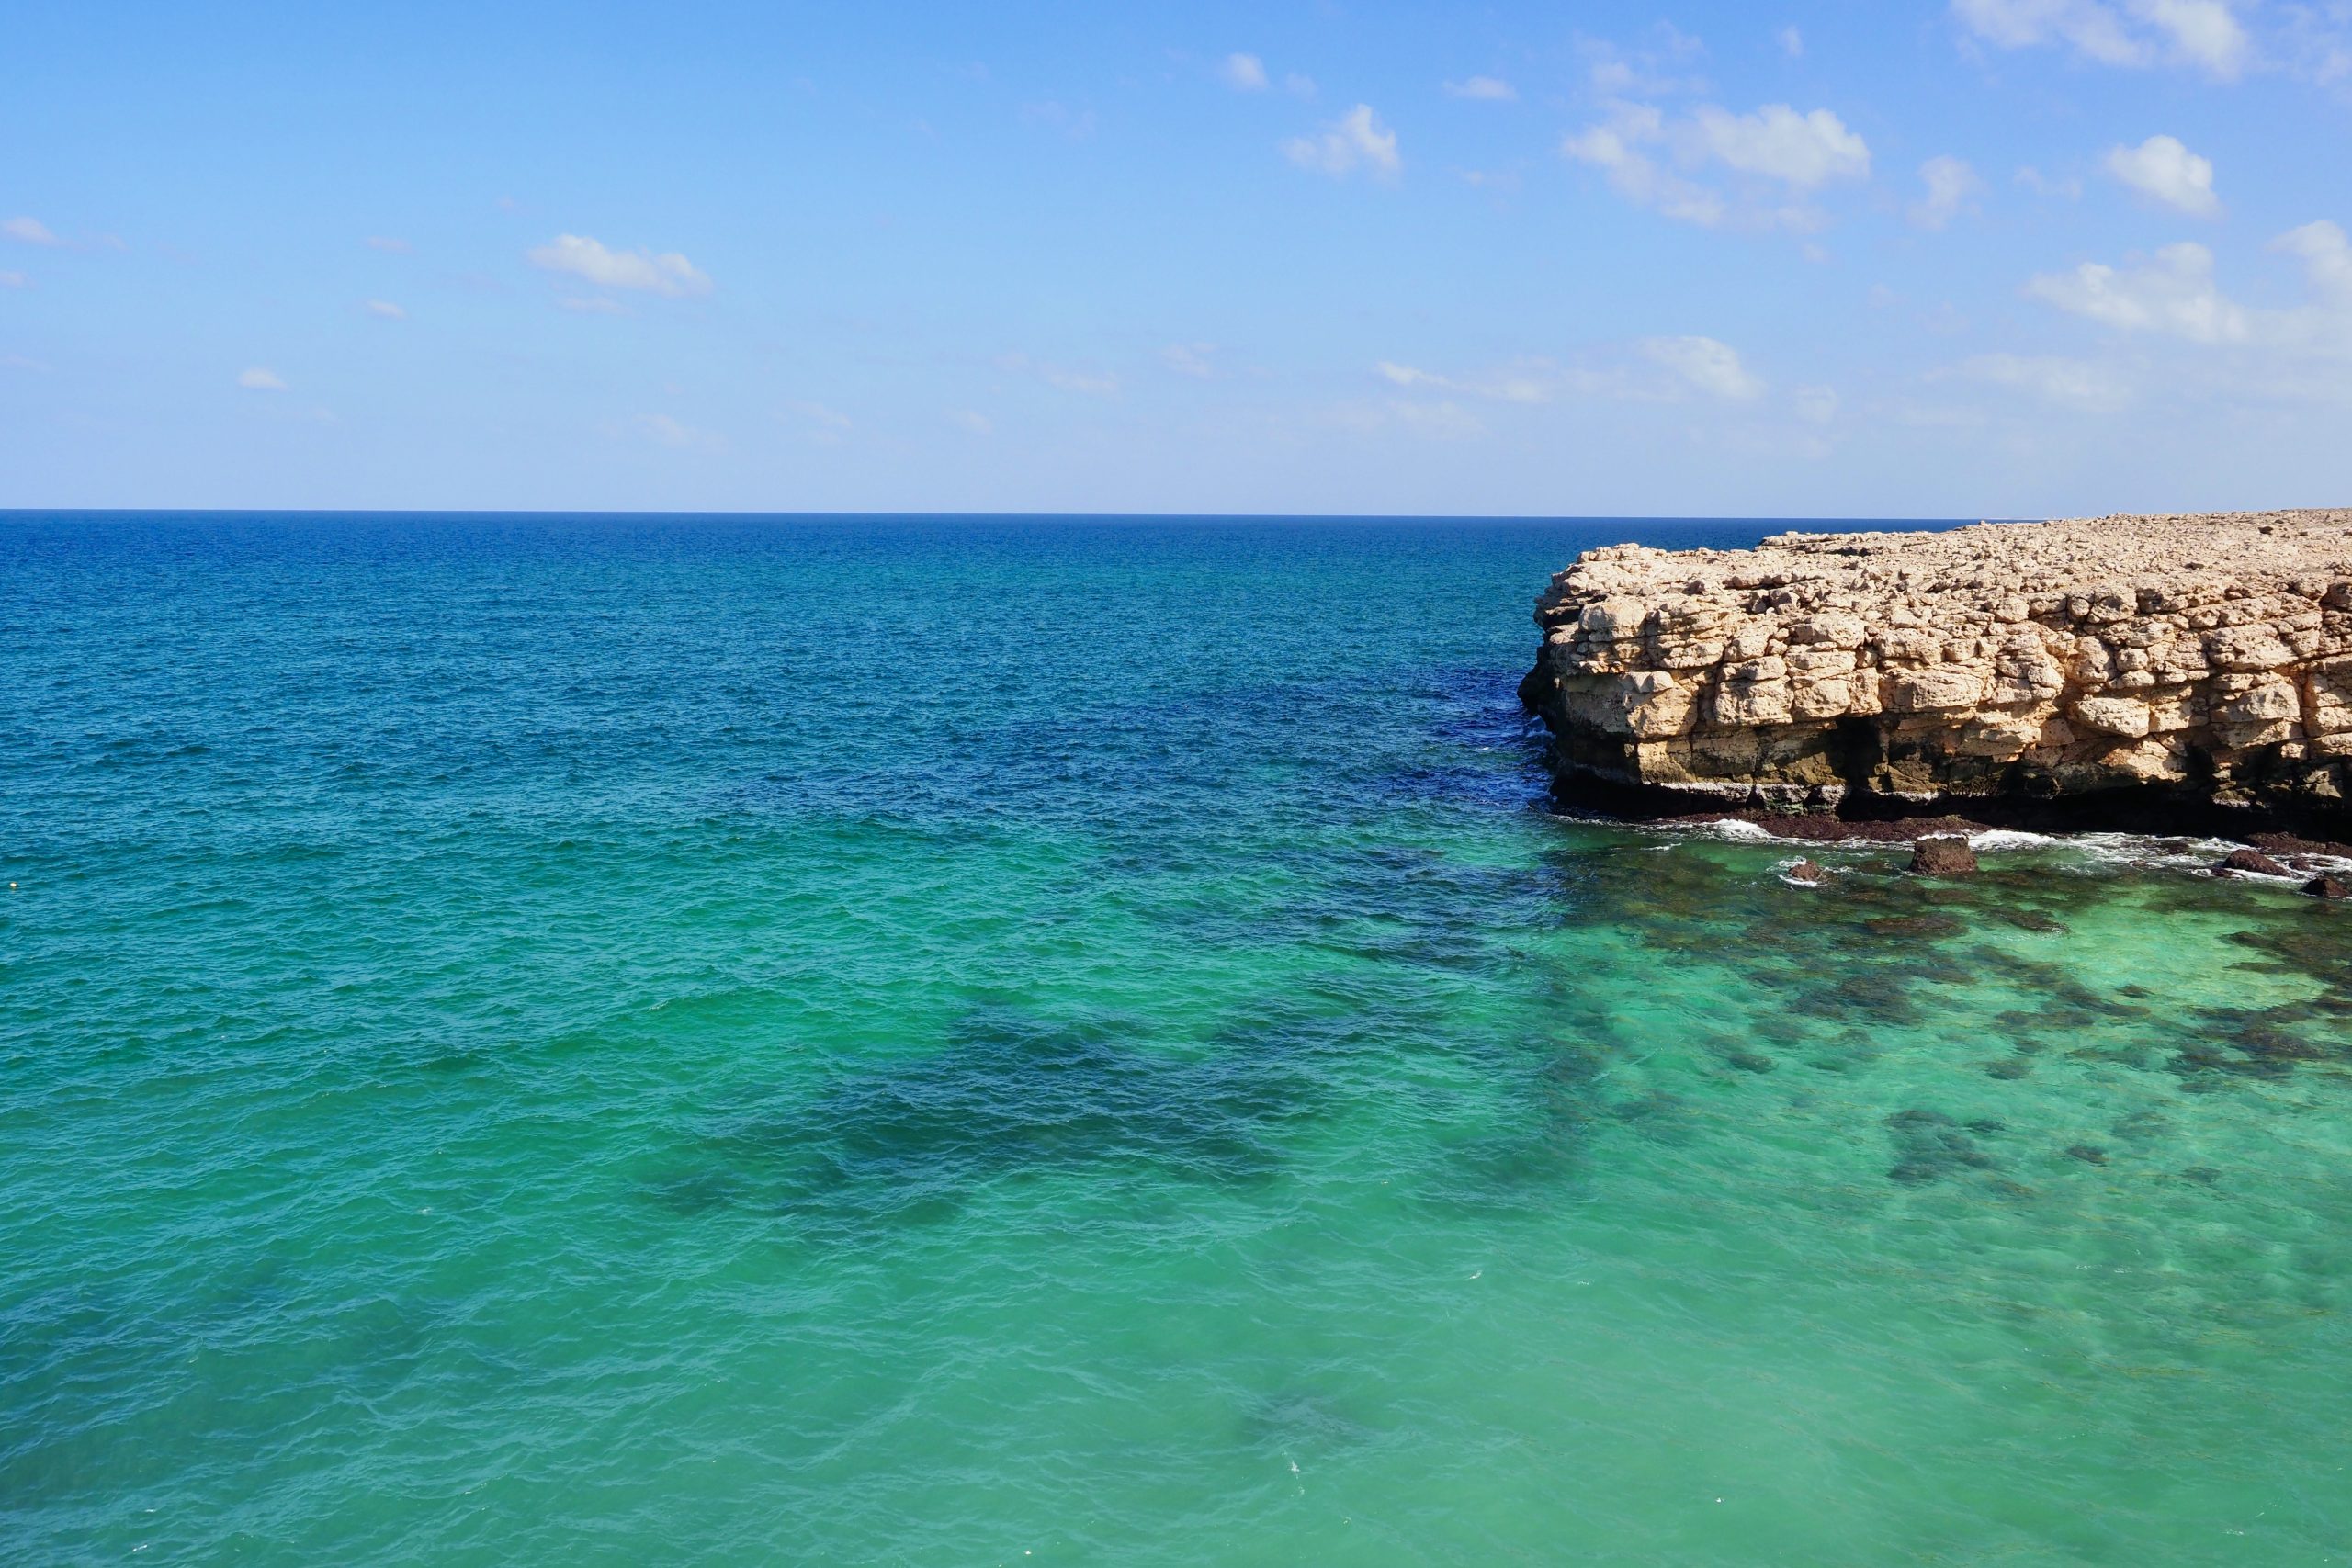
x=2250 y=552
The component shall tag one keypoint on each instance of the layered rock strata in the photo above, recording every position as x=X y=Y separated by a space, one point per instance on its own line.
x=2200 y=660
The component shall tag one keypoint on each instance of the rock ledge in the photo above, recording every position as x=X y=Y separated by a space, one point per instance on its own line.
x=2199 y=663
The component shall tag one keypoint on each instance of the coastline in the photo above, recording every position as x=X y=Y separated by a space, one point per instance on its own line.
x=2158 y=674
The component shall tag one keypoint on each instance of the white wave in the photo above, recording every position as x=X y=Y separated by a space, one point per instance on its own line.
x=1992 y=841
x=2079 y=853
x=1733 y=830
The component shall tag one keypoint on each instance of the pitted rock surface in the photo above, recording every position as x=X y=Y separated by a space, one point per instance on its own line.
x=2207 y=657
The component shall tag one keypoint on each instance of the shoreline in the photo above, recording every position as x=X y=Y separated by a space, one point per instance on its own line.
x=1887 y=822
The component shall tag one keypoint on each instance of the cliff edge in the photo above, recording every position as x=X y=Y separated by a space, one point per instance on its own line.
x=2189 y=663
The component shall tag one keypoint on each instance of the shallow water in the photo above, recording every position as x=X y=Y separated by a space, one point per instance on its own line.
x=955 y=1042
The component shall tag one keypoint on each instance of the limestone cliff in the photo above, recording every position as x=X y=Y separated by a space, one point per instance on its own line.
x=2196 y=659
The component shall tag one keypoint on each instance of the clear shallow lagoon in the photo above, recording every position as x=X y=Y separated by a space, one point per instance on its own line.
x=899 y=1041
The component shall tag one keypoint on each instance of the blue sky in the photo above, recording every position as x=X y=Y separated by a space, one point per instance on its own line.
x=1990 y=258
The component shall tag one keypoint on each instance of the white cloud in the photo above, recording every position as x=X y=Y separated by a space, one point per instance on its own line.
x=2205 y=34
x=2091 y=27
x=1709 y=365
x=1094 y=384
x=1792 y=43
x=2162 y=170
x=1442 y=421
x=1645 y=72
x=1816 y=405
x=2068 y=383
x=664 y=430
x=1243 y=72
x=385 y=311
x=1356 y=139
x=1298 y=86
x=2034 y=180
x=2316 y=42
x=1801 y=152
x=2174 y=294
x=1076 y=124
x=970 y=420
x=1190 y=359
x=1526 y=381
x=1651 y=370
x=2302 y=350
x=825 y=426
x=32 y=231
x=258 y=379
x=595 y=305
x=1950 y=182
x=14 y=280
x=1615 y=149
x=2327 y=256
x=385 y=243
x=1806 y=150
x=1489 y=89
x=669 y=273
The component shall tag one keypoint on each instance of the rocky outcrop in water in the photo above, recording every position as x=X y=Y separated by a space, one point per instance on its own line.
x=1942 y=854
x=2190 y=660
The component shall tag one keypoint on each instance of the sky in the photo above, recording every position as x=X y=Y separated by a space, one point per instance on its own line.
x=1952 y=258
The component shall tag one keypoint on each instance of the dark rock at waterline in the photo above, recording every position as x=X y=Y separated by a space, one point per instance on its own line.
x=1942 y=854
x=2293 y=844
x=2253 y=862
x=1805 y=871
x=2329 y=885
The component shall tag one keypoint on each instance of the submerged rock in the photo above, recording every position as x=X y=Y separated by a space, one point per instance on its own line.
x=2203 y=662
x=1806 y=872
x=1943 y=855
x=1930 y=1145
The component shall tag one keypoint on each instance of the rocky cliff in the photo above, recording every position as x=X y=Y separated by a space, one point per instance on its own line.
x=2193 y=661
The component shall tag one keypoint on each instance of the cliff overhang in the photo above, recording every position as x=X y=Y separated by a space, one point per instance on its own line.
x=2114 y=670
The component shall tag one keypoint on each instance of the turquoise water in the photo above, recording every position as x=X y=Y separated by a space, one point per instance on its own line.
x=878 y=1041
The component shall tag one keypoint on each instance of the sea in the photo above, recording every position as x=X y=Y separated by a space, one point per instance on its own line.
x=537 y=1039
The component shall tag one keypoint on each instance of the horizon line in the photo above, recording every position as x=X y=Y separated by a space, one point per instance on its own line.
x=13 y=512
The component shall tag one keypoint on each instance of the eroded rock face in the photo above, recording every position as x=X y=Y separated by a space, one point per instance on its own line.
x=2206 y=658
